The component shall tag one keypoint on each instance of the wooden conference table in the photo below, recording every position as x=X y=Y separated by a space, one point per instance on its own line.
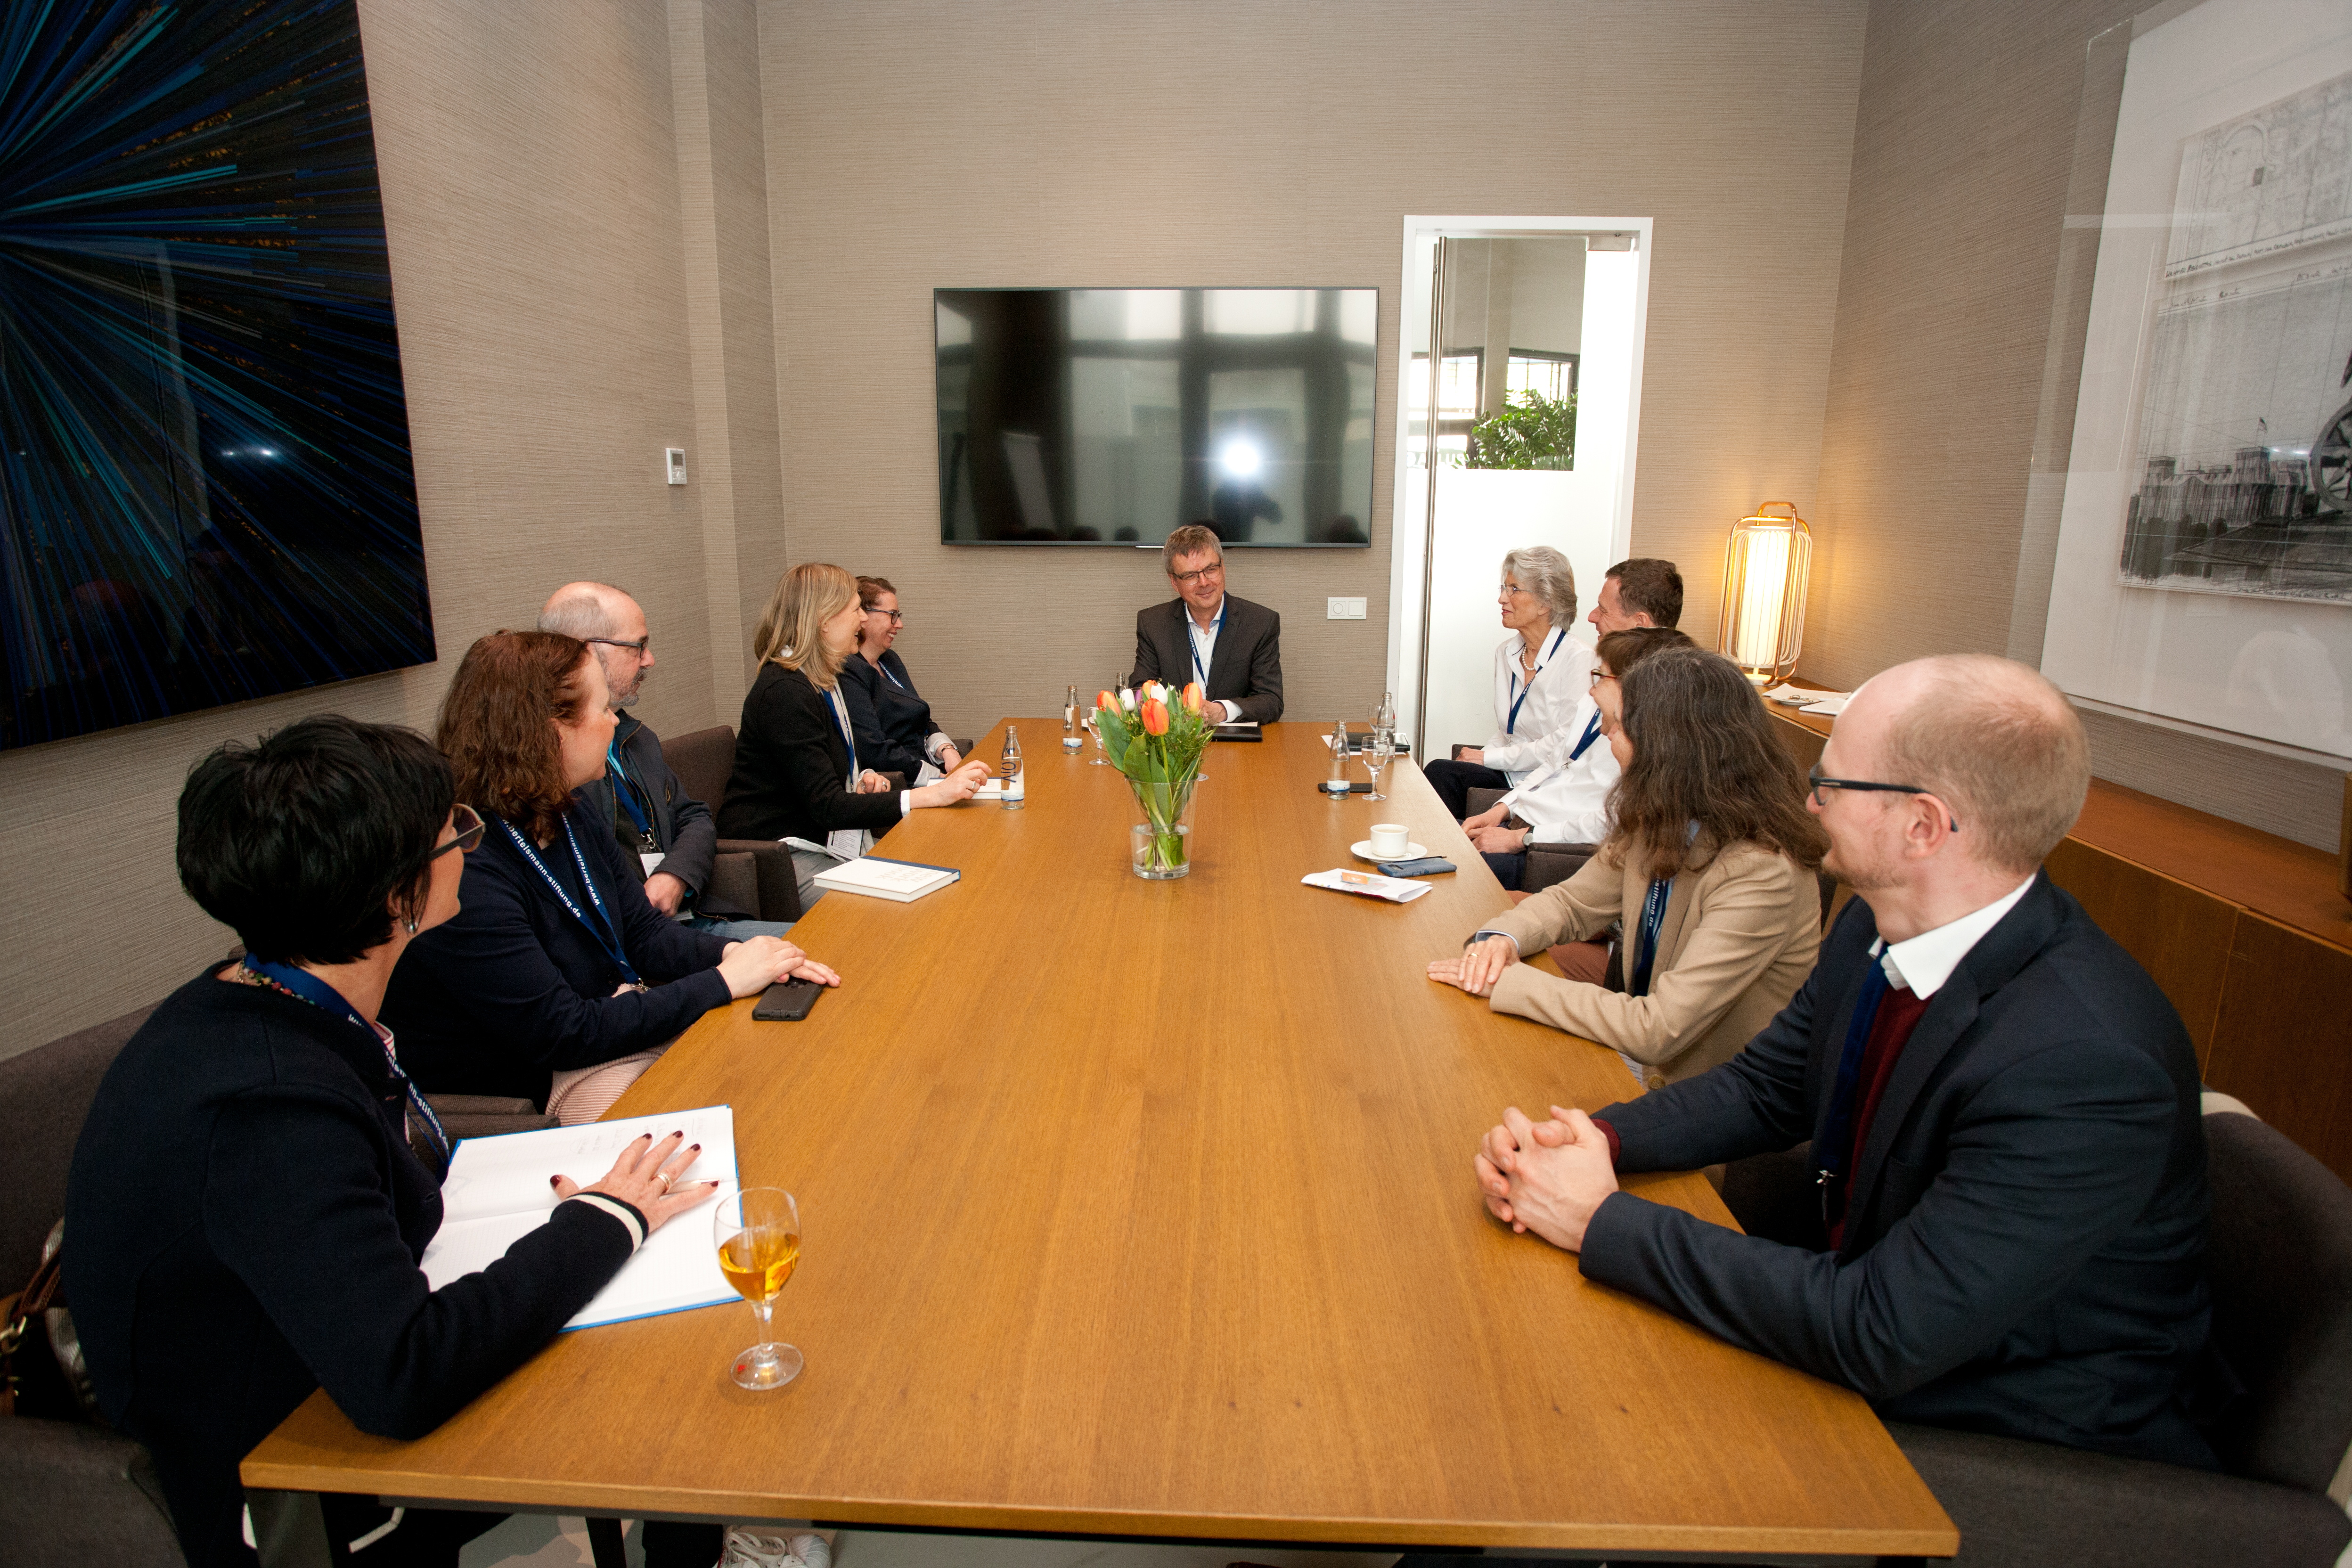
x=1145 y=1209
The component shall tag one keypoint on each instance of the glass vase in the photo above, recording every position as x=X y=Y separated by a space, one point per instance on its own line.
x=1160 y=846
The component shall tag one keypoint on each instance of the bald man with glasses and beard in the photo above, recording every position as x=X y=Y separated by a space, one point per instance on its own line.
x=1999 y=1106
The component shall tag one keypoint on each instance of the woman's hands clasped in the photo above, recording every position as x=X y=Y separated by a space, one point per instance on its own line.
x=645 y=1178
x=1479 y=966
x=751 y=967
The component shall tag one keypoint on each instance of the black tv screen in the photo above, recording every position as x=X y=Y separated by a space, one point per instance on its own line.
x=1114 y=416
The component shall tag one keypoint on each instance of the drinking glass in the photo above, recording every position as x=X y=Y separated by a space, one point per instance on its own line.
x=758 y=1230
x=1379 y=746
x=1092 y=720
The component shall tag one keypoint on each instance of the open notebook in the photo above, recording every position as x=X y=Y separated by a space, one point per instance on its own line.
x=497 y=1191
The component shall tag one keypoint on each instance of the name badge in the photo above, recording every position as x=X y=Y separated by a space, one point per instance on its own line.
x=652 y=862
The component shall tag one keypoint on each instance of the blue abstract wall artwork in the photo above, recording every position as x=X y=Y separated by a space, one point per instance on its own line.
x=206 y=493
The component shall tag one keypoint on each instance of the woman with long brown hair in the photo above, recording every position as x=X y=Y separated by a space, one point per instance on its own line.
x=1710 y=863
x=557 y=981
x=798 y=774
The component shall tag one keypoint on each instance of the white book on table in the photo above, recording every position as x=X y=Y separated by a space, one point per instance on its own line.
x=497 y=1192
x=873 y=877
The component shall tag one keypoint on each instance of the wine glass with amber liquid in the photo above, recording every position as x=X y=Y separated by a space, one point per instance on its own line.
x=758 y=1234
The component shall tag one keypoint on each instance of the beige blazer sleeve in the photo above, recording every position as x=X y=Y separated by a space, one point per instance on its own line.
x=1737 y=926
x=1574 y=911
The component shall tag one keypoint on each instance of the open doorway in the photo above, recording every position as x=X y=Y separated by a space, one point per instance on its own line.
x=1519 y=379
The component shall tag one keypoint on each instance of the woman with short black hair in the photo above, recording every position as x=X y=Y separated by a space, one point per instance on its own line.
x=258 y=1178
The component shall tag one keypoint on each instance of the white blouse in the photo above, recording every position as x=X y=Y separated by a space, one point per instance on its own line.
x=1529 y=709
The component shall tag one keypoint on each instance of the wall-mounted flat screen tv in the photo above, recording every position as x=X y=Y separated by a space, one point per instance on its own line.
x=1111 y=416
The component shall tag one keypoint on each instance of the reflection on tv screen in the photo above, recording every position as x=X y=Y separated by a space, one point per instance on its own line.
x=1116 y=415
x=205 y=492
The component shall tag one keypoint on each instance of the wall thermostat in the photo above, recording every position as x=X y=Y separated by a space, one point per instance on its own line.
x=674 y=464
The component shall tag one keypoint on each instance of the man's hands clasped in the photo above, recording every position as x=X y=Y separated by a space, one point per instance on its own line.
x=1548 y=1176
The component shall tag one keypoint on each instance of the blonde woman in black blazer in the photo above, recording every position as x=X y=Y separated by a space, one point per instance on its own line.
x=797 y=775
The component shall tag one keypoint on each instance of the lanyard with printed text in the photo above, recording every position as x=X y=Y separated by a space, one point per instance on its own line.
x=607 y=936
x=1519 y=693
x=1591 y=732
x=1654 y=917
x=841 y=717
x=308 y=987
x=624 y=789
x=1193 y=641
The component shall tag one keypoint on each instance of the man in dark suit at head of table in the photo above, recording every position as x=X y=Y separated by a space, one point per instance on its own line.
x=1233 y=648
x=2002 y=1109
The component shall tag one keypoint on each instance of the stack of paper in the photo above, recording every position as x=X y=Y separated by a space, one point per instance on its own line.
x=497 y=1191
x=1340 y=880
x=993 y=788
x=873 y=877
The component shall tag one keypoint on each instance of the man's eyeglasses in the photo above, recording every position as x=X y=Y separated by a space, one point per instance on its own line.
x=1819 y=783
x=637 y=647
x=468 y=824
x=1186 y=579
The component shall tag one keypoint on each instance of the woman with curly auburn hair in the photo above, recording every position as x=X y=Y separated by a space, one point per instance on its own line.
x=557 y=981
x=1711 y=865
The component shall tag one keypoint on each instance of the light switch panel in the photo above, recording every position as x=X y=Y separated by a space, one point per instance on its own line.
x=1344 y=610
x=674 y=464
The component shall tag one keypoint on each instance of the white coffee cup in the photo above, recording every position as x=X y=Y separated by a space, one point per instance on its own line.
x=1390 y=839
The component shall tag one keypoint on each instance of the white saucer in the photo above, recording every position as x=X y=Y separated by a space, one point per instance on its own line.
x=1362 y=851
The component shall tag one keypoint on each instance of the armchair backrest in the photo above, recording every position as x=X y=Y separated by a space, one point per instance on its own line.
x=2280 y=1258
x=703 y=760
x=45 y=1097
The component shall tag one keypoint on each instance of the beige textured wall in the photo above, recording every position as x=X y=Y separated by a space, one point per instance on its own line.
x=1206 y=143
x=1951 y=397
x=530 y=186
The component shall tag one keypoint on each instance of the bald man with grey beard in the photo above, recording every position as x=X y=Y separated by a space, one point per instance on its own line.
x=670 y=837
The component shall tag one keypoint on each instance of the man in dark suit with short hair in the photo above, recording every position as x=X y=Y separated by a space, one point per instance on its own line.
x=2003 y=1110
x=1233 y=648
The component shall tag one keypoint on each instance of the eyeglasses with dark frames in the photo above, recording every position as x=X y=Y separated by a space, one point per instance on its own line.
x=469 y=825
x=896 y=618
x=637 y=647
x=1186 y=579
x=1819 y=783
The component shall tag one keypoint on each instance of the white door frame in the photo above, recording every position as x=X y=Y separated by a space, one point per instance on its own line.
x=1409 y=525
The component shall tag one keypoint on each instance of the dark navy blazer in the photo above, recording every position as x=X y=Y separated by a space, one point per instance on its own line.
x=890 y=721
x=513 y=987
x=2025 y=1232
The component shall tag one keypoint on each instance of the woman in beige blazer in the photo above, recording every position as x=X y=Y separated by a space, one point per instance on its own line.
x=1712 y=850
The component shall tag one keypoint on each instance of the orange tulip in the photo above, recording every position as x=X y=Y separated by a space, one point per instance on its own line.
x=1194 y=699
x=1155 y=717
x=1105 y=699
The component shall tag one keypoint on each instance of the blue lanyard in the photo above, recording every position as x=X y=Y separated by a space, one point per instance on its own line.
x=894 y=679
x=1591 y=732
x=309 y=987
x=607 y=936
x=841 y=717
x=1192 y=640
x=1519 y=693
x=623 y=787
x=1654 y=917
x=1834 y=1151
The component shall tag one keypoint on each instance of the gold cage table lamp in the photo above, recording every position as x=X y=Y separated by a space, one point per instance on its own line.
x=1765 y=571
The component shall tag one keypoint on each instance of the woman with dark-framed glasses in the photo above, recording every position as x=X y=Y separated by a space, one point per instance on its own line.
x=258 y=1178
x=888 y=718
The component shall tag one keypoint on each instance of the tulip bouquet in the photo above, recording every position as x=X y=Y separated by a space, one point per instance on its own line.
x=1155 y=737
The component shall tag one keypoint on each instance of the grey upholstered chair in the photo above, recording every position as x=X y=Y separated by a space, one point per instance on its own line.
x=2280 y=1266
x=76 y=1492
x=1547 y=863
x=753 y=874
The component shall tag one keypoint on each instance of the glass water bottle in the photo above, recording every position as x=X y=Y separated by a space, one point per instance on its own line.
x=1008 y=769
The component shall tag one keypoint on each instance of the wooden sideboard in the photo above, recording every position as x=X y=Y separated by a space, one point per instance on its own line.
x=2249 y=933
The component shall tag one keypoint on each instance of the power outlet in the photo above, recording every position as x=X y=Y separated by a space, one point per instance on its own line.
x=1343 y=610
